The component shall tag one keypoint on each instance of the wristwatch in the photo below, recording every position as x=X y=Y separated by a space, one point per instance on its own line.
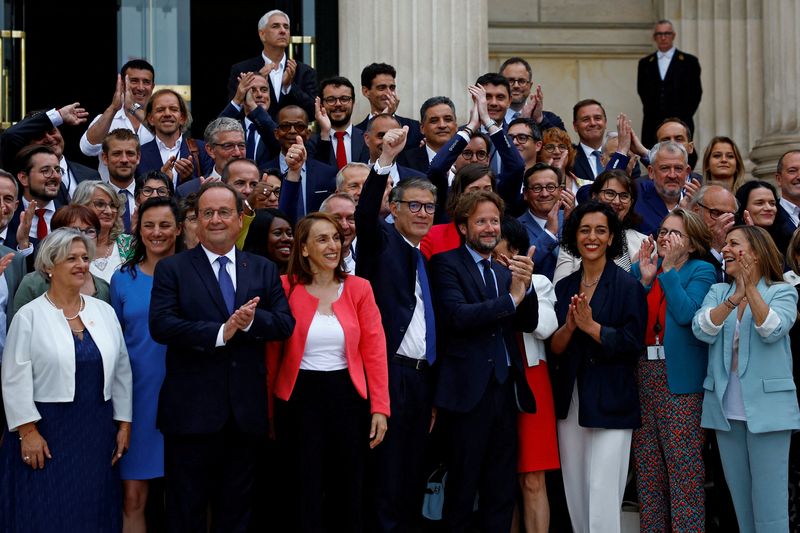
x=134 y=108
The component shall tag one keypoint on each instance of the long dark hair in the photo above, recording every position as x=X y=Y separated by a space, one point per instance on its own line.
x=139 y=250
x=258 y=233
x=776 y=230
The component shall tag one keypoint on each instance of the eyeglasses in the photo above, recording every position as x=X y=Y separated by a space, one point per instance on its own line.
x=480 y=155
x=89 y=232
x=102 y=205
x=223 y=212
x=663 y=232
x=553 y=147
x=229 y=147
x=518 y=81
x=713 y=213
x=158 y=191
x=276 y=191
x=414 y=207
x=190 y=218
x=521 y=137
x=286 y=127
x=609 y=195
x=538 y=188
x=331 y=100
x=663 y=34
x=48 y=172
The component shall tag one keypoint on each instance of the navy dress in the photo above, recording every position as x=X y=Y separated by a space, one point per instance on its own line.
x=77 y=490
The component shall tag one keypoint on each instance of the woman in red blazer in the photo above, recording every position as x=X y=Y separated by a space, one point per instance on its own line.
x=327 y=378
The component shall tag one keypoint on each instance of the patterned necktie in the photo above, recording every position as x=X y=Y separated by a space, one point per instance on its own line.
x=41 y=224
x=427 y=300
x=598 y=162
x=341 y=151
x=226 y=284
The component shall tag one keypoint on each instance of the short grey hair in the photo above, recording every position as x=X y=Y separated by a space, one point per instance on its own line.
x=83 y=196
x=340 y=175
x=55 y=248
x=700 y=196
x=669 y=147
x=399 y=190
x=340 y=195
x=219 y=125
x=262 y=22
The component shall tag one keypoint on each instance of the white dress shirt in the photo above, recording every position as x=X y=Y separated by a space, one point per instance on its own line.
x=49 y=211
x=413 y=343
x=663 y=61
x=348 y=141
x=120 y=121
x=230 y=268
x=276 y=76
x=590 y=157
x=166 y=152
x=130 y=198
x=793 y=211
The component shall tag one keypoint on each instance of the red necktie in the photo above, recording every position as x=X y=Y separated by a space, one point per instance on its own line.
x=341 y=152
x=41 y=225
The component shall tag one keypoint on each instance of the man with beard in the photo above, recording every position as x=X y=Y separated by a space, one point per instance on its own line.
x=334 y=110
x=481 y=304
x=524 y=103
x=663 y=191
x=438 y=125
x=224 y=141
x=171 y=152
x=134 y=86
x=121 y=156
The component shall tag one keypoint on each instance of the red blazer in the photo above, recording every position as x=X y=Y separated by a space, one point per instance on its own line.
x=365 y=343
x=441 y=238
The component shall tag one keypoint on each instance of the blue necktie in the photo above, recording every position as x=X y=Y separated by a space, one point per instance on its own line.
x=301 y=203
x=250 y=145
x=500 y=365
x=598 y=161
x=126 y=215
x=427 y=301
x=226 y=284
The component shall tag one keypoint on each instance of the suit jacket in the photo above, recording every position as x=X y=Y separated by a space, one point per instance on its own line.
x=788 y=226
x=323 y=152
x=677 y=95
x=151 y=158
x=268 y=146
x=415 y=159
x=320 y=183
x=414 y=132
x=765 y=362
x=13 y=274
x=545 y=257
x=473 y=331
x=606 y=372
x=687 y=357
x=582 y=167
x=650 y=207
x=13 y=225
x=206 y=387
x=302 y=92
x=365 y=344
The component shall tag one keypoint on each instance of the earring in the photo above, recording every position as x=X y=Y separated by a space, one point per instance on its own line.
x=50 y=274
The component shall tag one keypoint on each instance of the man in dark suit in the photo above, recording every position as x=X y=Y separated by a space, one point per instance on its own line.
x=224 y=141
x=388 y=256
x=121 y=156
x=524 y=104
x=290 y=82
x=787 y=175
x=663 y=191
x=333 y=113
x=481 y=382
x=377 y=128
x=213 y=403
x=438 y=125
x=379 y=87
x=172 y=152
x=42 y=127
x=589 y=122
x=12 y=270
x=668 y=82
x=717 y=207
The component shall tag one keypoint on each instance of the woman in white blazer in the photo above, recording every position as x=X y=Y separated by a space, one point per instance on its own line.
x=66 y=382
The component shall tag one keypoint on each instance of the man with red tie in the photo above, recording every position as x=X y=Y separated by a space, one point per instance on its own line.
x=338 y=141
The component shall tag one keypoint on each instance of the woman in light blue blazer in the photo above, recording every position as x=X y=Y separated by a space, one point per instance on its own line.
x=750 y=398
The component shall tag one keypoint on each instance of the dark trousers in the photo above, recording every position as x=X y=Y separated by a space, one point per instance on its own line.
x=323 y=433
x=396 y=466
x=483 y=460
x=214 y=469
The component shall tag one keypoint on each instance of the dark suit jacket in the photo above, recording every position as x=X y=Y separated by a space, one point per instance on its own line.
x=414 y=131
x=320 y=183
x=323 y=152
x=677 y=95
x=546 y=255
x=268 y=146
x=605 y=372
x=415 y=159
x=13 y=225
x=650 y=207
x=582 y=167
x=13 y=275
x=473 y=330
x=205 y=386
x=151 y=158
x=302 y=93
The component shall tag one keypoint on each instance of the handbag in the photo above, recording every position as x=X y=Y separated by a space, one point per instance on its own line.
x=433 y=502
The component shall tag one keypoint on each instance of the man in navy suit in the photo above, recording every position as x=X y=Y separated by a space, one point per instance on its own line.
x=787 y=176
x=589 y=122
x=377 y=128
x=379 y=87
x=290 y=82
x=316 y=180
x=668 y=82
x=213 y=403
x=481 y=382
x=520 y=76
x=172 y=152
x=438 y=125
x=224 y=141
x=388 y=256
x=333 y=114
x=663 y=191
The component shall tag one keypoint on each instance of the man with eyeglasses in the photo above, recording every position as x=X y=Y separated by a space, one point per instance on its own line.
x=668 y=83
x=524 y=102
x=527 y=138
x=717 y=207
x=668 y=170
x=389 y=257
x=224 y=139
x=338 y=141
x=316 y=179
x=377 y=128
x=438 y=125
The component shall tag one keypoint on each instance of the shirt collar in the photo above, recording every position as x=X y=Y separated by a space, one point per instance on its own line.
x=131 y=188
x=791 y=208
x=431 y=153
x=282 y=62
x=476 y=256
x=588 y=150
x=231 y=255
x=284 y=167
x=49 y=206
x=668 y=54
x=162 y=146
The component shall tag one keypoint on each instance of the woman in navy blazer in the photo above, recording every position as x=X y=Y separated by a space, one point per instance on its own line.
x=668 y=448
x=601 y=310
x=750 y=399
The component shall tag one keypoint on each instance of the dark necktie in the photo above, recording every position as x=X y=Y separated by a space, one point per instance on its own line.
x=250 y=145
x=126 y=214
x=341 y=151
x=598 y=161
x=427 y=300
x=301 y=202
x=41 y=224
x=500 y=363
x=226 y=284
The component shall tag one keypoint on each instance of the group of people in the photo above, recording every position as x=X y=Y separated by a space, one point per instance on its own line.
x=293 y=330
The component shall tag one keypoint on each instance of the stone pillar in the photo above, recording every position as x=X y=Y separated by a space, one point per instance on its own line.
x=437 y=46
x=781 y=103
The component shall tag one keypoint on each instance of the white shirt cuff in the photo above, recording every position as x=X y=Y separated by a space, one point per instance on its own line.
x=286 y=91
x=236 y=106
x=463 y=134
x=220 y=337
x=26 y=251
x=769 y=325
x=55 y=117
x=382 y=171
x=705 y=323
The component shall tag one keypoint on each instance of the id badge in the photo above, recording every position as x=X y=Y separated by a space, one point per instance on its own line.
x=655 y=352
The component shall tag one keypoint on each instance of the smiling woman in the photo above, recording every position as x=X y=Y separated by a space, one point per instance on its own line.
x=758 y=206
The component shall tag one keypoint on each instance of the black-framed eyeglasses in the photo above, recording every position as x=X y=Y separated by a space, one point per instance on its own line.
x=89 y=232
x=228 y=147
x=713 y=213
x=48 y=172
x=521 y=137
x=538 y=188
x=331 y=100
x=663 y=34
x=663 y=232
x=276 y=191
x=518 y=81
x=158 y=191
x=286 y=127
x=553 y=147
x=414 y=207
x=480 y=155
x=609 y=195
x=223 y=212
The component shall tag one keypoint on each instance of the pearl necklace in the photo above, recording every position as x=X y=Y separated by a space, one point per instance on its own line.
x=83 y=304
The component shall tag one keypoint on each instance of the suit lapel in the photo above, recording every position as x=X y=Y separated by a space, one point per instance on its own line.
x=206 y=274
x=242 y=278
x=582 y=162
x=474 y=272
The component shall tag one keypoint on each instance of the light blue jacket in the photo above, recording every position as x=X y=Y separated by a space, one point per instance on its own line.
x=765 y=363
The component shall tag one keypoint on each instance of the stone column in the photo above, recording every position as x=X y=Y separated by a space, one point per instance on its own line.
x=438 y=47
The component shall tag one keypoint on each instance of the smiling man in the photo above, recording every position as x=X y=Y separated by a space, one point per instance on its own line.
x=438 y=125
x=338 y=141
x=589 y=122
x=661 y=194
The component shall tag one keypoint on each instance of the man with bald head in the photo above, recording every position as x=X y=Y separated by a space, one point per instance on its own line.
x=373 y=138
x=717 y=206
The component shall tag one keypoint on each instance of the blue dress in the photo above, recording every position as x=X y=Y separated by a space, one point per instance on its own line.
x=130 y=297
x=78 y=490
